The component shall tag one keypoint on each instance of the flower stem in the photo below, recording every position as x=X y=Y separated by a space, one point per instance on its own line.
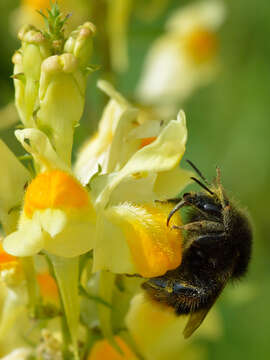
x=32 y=288
x=67 y=275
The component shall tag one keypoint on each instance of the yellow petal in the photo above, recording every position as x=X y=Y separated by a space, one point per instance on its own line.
x=168 y=184
x=55 y=189
x=156 y=330
x=48 y=287
x=135 y=190
x=201 y=45
x=7 y=261
x=111 y=251
x=41 y=149
x=27 y=241
x=161 y=155
x=12 y=183
x=75 y=239
x=103 y=350
x=69 y=234
x=154 y=247
x=95 y=151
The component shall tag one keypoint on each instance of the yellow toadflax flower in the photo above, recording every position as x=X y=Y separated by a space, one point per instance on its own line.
x=185 y=57
x=57 y=218
x=156 y=328
x=57 y=210
x=138 y=164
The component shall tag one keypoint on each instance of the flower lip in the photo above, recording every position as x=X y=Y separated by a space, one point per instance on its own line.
x=103 y=350
x=55 y=189
x=201 y=45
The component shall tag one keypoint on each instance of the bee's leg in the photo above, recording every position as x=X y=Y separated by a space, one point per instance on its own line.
x=180 y=205
x=227 y=216
x=190 y=298
x=213 y=239
x=203 y=226
x=170 y=201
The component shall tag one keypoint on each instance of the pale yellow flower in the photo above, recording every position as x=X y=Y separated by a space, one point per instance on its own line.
x=185 y=57
x=57 y=217
x=139 y=163
x=157 y=330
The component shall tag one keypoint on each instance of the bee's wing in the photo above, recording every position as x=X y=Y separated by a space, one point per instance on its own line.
x=195 y=320
x=197 y=317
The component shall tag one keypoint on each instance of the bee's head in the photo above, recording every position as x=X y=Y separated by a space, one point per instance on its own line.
x=211 y=201
x=208 y=204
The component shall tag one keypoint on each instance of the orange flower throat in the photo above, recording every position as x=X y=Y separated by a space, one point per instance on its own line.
x=55 y=190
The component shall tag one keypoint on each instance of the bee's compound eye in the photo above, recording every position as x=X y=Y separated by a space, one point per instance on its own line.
x=211 y=208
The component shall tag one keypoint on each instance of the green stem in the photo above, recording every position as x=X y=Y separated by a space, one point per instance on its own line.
x=65 y=335
x=106 y=287
x=31 y=280
x=67 y=275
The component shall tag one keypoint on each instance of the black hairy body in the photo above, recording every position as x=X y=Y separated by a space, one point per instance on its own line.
x=217 y=241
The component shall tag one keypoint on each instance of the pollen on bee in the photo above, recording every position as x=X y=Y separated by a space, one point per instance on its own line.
x=54 y=189
x=201 y=45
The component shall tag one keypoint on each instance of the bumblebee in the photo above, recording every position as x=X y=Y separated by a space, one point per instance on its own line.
x=217 y=242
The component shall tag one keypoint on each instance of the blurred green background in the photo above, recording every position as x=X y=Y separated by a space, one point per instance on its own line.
x=229 y=126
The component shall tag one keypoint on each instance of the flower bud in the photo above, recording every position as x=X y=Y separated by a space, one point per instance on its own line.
x=27 y=65
x=80 y=43
x=61 y=99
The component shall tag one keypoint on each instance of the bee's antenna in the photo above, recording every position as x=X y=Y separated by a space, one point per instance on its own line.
x=202 y=185
x=198 y=171
x=218 y=181
x=218 y=175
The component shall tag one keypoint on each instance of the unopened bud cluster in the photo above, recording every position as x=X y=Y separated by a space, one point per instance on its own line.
x=50 y=85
